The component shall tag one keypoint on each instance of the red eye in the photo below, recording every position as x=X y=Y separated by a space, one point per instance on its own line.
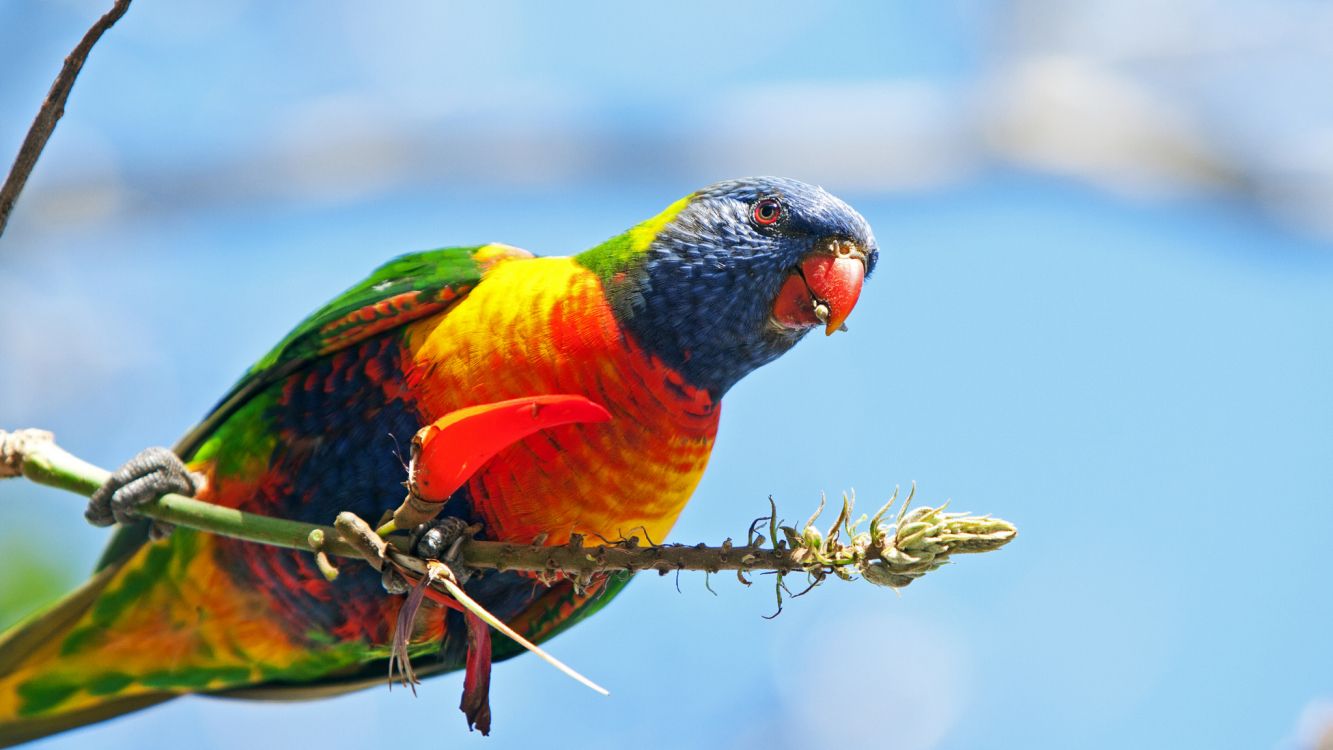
x=767 y=212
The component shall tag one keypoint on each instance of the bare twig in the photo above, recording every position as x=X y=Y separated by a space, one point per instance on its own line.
x=888 y=554
x=51 y=111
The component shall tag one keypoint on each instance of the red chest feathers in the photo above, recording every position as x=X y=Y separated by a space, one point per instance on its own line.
x=543 y=326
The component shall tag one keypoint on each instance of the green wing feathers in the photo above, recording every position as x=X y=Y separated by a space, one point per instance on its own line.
x=37 y=655
x=403 y=290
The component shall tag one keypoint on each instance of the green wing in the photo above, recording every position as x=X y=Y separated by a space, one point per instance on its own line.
x=403 y=290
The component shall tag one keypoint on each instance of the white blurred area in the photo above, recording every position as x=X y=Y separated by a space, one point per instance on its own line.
x=1148 y=100
x=1314 y=728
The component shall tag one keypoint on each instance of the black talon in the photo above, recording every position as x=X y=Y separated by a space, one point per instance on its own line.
x=435 y=539
x=146 y=477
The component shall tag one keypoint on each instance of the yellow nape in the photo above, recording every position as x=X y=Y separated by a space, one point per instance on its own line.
x=642 y=235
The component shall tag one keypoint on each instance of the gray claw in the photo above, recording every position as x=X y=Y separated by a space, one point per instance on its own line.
x=146 y=477
x=435 y=540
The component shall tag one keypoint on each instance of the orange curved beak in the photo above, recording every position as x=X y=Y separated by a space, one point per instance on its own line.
x=835 y=281
x=823 y=288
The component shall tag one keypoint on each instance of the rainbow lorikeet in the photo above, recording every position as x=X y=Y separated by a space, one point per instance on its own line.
x=655 y=325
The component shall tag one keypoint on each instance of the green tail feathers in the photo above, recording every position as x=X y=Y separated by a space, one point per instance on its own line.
x=29 y=705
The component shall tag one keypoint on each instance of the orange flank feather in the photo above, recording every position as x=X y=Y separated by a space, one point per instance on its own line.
x=453 y=447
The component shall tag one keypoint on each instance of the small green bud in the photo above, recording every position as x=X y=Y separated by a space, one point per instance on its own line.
x=813 y=538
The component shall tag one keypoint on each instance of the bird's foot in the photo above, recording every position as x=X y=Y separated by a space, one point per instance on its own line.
x=146 y=477
x=440 y=540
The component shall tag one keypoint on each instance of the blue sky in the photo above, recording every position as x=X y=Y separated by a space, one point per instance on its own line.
x=1110 y=337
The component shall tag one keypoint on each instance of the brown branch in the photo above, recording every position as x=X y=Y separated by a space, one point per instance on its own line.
x=575 y=559
x=892 y=552
x=51 y=111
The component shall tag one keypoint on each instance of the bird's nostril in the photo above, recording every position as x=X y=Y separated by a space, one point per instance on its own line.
x=842 y=247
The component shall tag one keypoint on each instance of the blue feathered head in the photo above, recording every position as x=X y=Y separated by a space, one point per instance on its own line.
x=730 y=277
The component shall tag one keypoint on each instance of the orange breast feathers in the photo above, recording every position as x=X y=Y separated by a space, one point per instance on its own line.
x=543 y=326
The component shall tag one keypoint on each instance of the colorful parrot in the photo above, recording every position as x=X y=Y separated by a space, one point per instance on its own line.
x=655 y=325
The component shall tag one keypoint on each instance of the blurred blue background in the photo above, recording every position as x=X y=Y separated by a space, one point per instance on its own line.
x=1104 y=312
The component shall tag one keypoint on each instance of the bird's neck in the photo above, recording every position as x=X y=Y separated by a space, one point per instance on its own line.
x=707 y=321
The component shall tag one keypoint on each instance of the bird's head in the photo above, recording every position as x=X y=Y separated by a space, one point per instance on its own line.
x=730 y=277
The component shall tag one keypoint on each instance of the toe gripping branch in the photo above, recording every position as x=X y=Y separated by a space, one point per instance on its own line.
x=149 y=475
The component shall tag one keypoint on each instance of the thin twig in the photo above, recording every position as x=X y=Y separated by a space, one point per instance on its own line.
x=886 y=554
x=51 y=111
x=447 y=579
